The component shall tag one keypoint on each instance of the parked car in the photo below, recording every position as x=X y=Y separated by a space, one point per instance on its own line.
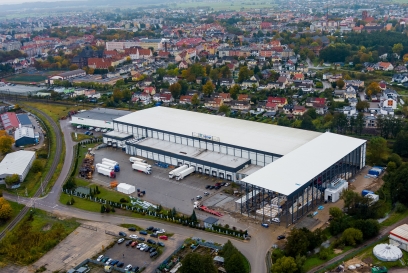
x=222 y=184
x=133 y=236
x=155 y=229
x=139 y=246
x=152 y=250
x=217 y=184
x=141 y=239
x=153 y=242
x=132 y=229
x=114 y=262
x=150 y=228
x=121 y=233
x=206 y=194
x=128 y=267
x=143 y=247
x=143 y=232
x=128 y=243
x=108 y=261
x=133 y=244
x=97 y=129
x=161 y=244
x=207 y=187
x=79 y=126
x=91 y=128
x=153 y=254
x=87 y=133
x=120 y=264
x=163 y=237
x=212 y=187
x=280 y=237
x=276 y=220
x=154 y=235
x=135 y=269
x=99 y=258
x=105 y=259
x=160 y=231
x=147 y=249
x=265 y=225
x=227 y=184
x=104 y=130
x=121 y=240
x=199 y=197
x=217 y=187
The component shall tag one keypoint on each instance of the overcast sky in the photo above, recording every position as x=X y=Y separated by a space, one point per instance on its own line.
x=2 y=2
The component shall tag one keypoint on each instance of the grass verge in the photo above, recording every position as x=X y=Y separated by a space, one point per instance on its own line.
x=79 y=137
x=16 y=207
x=394 y=218
x=314 y=260
x=34 y=236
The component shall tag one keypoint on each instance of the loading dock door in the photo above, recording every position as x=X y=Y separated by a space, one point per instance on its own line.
x=221 y=175
x=229 y=177
x=214 y=173
x=200 y=170
x=180 y=163
x=207 y=171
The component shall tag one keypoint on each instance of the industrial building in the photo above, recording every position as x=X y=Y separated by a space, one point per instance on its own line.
x=97 y=118
x=399 y=237
x=16 y=163
x=25 y=136
x=24 y=121
x=282 y=171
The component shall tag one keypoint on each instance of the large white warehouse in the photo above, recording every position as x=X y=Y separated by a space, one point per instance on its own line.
x=270 y=161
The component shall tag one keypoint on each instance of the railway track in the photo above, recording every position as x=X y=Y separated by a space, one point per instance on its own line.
x=58 y=151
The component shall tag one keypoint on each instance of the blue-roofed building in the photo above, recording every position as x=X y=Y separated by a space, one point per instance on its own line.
x=24 y=120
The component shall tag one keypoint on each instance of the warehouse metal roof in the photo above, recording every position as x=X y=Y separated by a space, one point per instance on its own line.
x=242 y=133
x=24 y=119
x=104 y=114
x=401 y=231
x=16 y=163
x=294 y=170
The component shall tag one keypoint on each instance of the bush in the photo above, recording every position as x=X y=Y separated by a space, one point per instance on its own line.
x=324 y=253
x=37 y=166
x=400 y=208
x=123 y=200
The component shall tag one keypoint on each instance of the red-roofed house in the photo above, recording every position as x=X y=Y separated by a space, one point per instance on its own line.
x=271 y=106
x=278 y=100
x=386 y=66
x=298 y=77
x=151 y=90
x=299 y=110
x=183 y=65
x=99 y=63
x=383 y=85
x=9 y=121
x=266 y=25
x=185 y=99
x=311 y=101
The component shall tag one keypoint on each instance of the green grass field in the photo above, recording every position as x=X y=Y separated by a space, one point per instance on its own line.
x=27 y=78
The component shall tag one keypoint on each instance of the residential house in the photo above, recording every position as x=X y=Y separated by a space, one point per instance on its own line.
x=400 y=69
x=298 y=76
x=185 y=99
x=283 y=79
x=400 y=78
x=240 y=105
x=170 y=79
x=225 y=97
x=243 y=97
x=386 y=66
x=142 y=97
x=280 y=101
x=151 y=90
x=271 y=106
x=390 y=93
x=164 y=97
x=389 y=103
x=227 y=82
x=213 y=103
x=299 y=110
x=183 y=65
x=249 y=84
x=349 y=110
x=306 y=87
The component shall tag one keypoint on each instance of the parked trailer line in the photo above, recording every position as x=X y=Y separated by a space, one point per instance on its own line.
x=175 y=172
x=184 y=173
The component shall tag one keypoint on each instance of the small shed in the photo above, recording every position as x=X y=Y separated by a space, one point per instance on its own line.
x=126 y=188
x=333 y=191
x=209 y=222
x=219 y=259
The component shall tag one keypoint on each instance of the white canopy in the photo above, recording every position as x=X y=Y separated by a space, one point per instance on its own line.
x=386 y=252
x=126 y=188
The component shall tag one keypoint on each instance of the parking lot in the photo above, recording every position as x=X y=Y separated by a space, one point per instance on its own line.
x=167 y=192
x=135 y=257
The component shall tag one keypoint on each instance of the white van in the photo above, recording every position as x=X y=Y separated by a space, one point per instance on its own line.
x=91 y=128
x=97 y=129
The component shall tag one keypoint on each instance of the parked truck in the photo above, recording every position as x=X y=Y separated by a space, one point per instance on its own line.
x=110 y=164
x=176 y=171
x=143 y=164
x=184 y=173
x=135 y=160
x=141 y=168
x=101 y=165
x=107 y=172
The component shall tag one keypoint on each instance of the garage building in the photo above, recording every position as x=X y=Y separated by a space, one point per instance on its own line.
x=281 y=164
x=97 y=117
x=16 y=163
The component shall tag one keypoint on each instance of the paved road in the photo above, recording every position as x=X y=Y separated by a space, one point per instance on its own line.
x=255 y=250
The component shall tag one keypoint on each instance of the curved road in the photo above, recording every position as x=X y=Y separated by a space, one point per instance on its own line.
x=255 y=249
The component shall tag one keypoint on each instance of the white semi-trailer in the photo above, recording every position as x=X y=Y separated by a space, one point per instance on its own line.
x=175 y=172
x=141 y=168
x=116 y=164
x=135 y=160
x=184 y=173
x=111 y=165
x=143 y=164
x=100 y=165
x=107 y=172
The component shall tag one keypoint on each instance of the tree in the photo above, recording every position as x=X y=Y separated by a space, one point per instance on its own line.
x=73 y=67
x=369 y=227
x=401 y=144
x=352 y=236
x=195 y=100
x=193 y=217
x=5 y=209
x=196 y=263
x=184 y=87
x=111 y=68
x=117 y=95
x=208 y=88
x=361 y=105
x=37 y=166
x=397 y=48
x=175 y=90
x=307 y=123
x=224 y=109
x=340 y=83
x=397 y=182
x=297 y=243
x=234 y=91
x=244 y=74
x=373 y=89
x=6 y=143
x=377 y=150
x=234 y=263
x=12 y=180
x=336 y=213
x=284 y=265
